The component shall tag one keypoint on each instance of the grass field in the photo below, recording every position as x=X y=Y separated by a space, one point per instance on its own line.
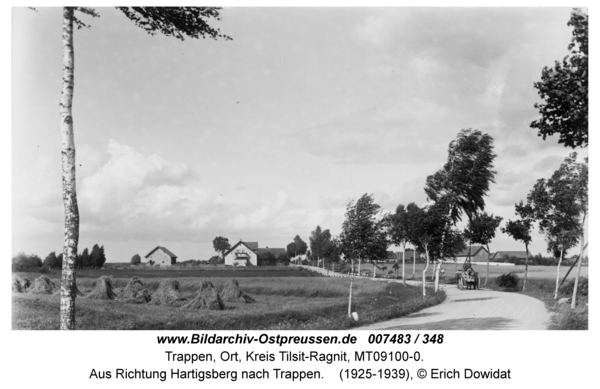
x=195 y=272
x=282 y=303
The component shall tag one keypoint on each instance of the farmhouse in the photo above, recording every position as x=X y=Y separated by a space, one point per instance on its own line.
x=161 y=256
x=478 y=254
x=247 y=253
x=242 y=254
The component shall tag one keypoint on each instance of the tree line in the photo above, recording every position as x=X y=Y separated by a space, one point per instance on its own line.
x=85 y=260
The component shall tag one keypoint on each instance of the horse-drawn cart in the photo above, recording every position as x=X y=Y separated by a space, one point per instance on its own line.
x=468 y=279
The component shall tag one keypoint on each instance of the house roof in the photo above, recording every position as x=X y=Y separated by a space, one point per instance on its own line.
x=474 y=251
x=251 y=245
x=170 y=254
x=276 y=251
x=510 y=254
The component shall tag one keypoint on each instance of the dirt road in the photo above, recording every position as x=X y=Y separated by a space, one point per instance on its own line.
x=475 y=310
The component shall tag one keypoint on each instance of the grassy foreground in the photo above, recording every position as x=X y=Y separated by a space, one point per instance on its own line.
x=290 y=303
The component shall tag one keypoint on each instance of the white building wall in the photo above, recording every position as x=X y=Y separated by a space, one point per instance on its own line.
x=230 y=259
x=160 y=258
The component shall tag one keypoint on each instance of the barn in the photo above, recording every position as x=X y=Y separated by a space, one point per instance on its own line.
x=505 y=256
x=161 y=256
x=478 y=254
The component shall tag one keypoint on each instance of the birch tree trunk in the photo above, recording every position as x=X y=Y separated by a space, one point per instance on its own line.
x=526 y=265
x=425 y=270
x=487 y=272
x=580 y=259
x=403 y=262
x=359 y=261
x=71 y=237
x=438 y=266
x=414 y=261
x=562 y=250
x=350 y=295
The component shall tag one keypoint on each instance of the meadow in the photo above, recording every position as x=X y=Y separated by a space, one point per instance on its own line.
x=282 y=303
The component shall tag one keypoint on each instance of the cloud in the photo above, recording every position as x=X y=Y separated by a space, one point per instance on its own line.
x=134 y=196
x=377 y=135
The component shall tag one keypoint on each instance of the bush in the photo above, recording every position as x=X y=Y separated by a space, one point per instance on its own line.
x=508 y=280
x=136 y=259
x=582 y=287
x=26 y=262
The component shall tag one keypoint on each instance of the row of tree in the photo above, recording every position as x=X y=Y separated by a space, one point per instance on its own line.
x=85 y=260
x=559 y=205
x=93 y=260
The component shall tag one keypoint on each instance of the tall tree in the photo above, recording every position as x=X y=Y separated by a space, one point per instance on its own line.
x=101 y=257
x=95 y=256
x=84 y=261
x=301 y=246
x=171 y=21
x=464 y=180
x=363 y=235
x=582 y=191
x=50 y=262
x=221 y=245
x=320 y=242
x=481 y=230
x=290 y=250
x=413 y=212
x=564 y=90
x=521 y=230
x=398 y=227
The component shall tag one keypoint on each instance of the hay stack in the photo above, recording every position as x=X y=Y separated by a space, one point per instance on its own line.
x=207 y=298
x=19 y=284
x=232 y=293
x=135 y=292
x=168 y=294
x=42 y=285
x=103 y=289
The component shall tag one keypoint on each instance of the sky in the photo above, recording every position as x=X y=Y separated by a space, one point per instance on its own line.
x=268 y=135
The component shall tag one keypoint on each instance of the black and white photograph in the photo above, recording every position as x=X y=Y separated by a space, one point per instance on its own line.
x=299 y=168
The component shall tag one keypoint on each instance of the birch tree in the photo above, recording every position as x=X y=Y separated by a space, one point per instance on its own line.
x=464 y=181
x=398 y=231
x=363 y=235
x=558 y=204
x=520 y=230
x=481 y=230
x=430 y=231
x=179 y=22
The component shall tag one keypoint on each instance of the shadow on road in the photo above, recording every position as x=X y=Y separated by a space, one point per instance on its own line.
x=473 y=299
x=489 y=323
x=423 y=314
